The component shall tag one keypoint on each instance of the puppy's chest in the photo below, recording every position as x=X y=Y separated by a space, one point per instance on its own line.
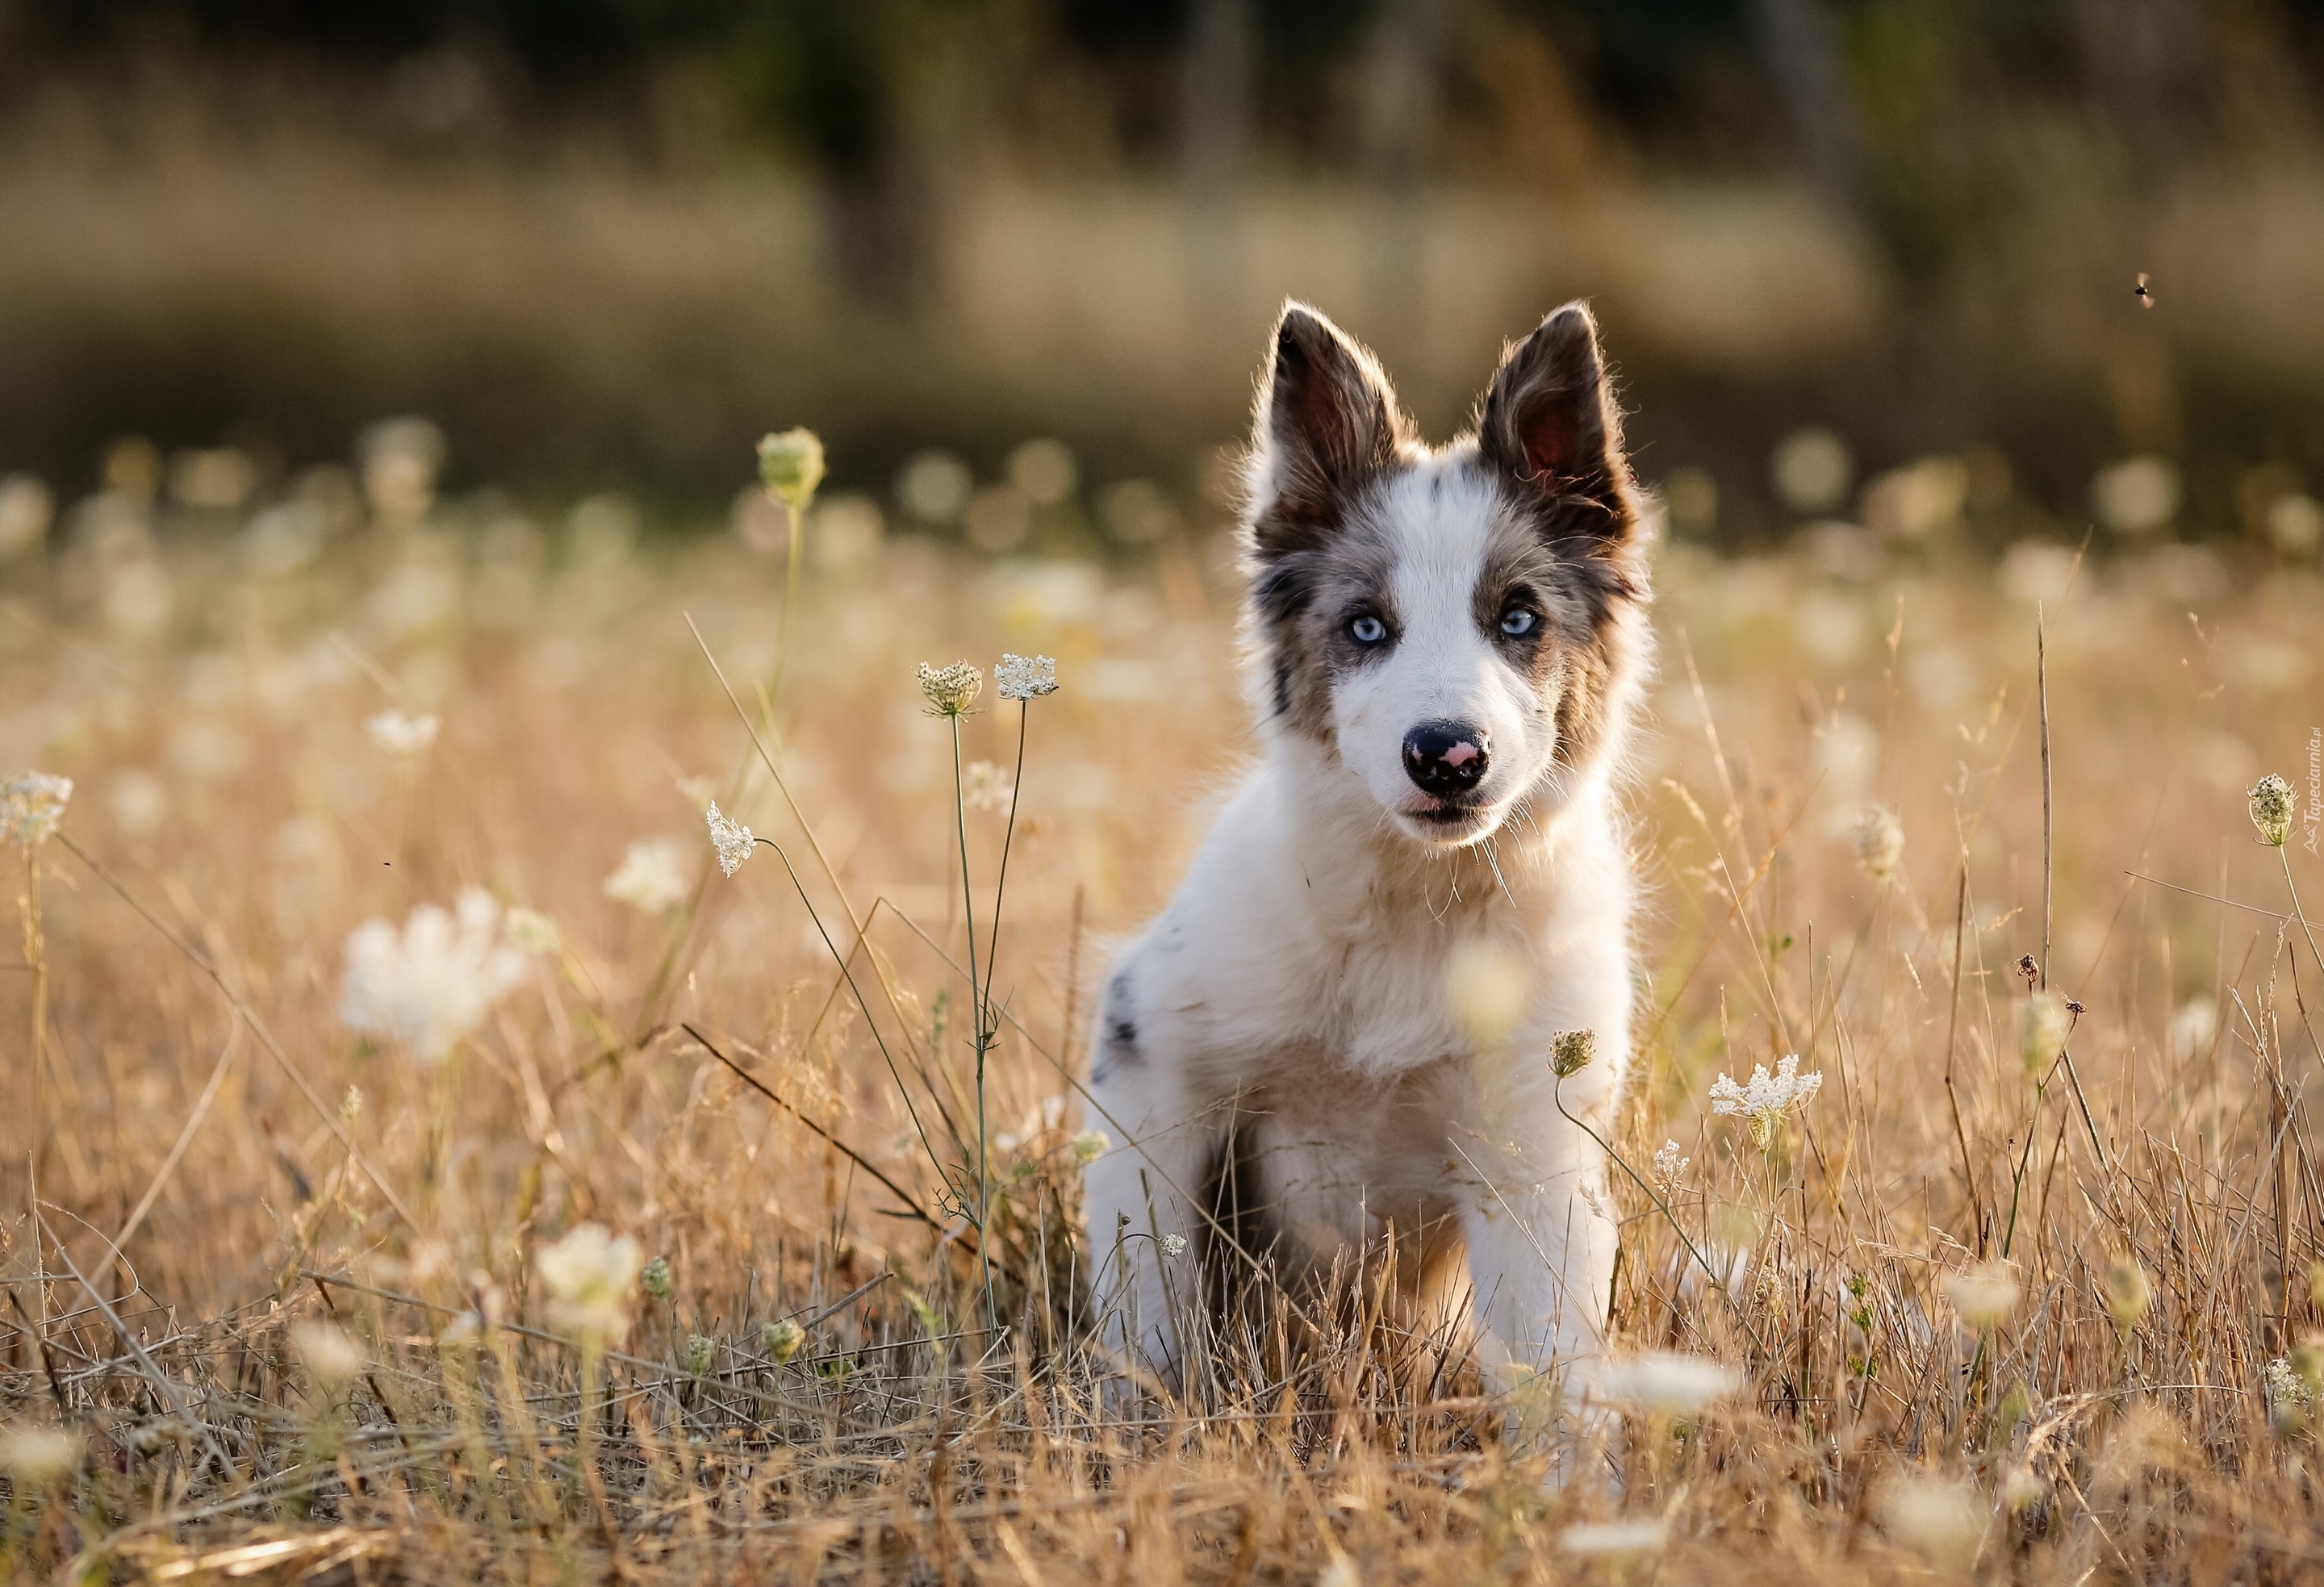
x=1370 y=1007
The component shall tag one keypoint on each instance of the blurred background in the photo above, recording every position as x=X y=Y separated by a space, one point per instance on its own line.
x=1867 y=265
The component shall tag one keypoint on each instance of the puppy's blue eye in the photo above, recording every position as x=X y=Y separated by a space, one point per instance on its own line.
x=1516 y=619
x=1368 y=629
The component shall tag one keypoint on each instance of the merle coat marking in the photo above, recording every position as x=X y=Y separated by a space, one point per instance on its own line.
x=1446 y=646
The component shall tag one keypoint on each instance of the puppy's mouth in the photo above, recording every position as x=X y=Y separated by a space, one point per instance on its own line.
x=1448 y=820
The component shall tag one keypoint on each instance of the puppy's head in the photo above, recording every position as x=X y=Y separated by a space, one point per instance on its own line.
x=1460 y=628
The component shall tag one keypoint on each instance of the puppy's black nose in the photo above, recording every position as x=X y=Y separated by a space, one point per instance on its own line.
x=1446 y=758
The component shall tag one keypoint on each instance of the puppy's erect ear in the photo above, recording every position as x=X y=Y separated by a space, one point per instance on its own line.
x=1550 y=423
x=1327 y=421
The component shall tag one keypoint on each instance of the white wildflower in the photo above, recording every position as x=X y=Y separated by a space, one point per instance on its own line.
x=2022 y=1490
x=35 y=1456
x=1984 y=1295
x=328 y=1353
x=985 y=785
x=1662 y=1382
x=1944 y=1522
x=1174 y=1245
x=732 y=840
x=701 y=1354
x=433 y=981
x=590 y=1275
x=32 y=803
x=1768 y=1098
x=1025 y=677
x=1614 y=1540
x=529 y=932
x=398 y=735
x=2292 y=1390
x=1669 y=1165
x=1880 y=841
x=652 y=875
x=1091 y=1145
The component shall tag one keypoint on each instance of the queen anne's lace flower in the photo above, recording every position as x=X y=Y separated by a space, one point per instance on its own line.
x=1768 y=1098
x=1614 y=1540
x=32 y=803
x=530 y=931
x=1025 y=677
x=1669 y=1165
x=985 y=785
x=1174 y=1245
x=2271 y=810
x=732 y=840
x=1984 y=1295
x=590 y=1274
x=1663 y=1382
x=1090 y=1145
x=433 y=981
x=652 y=876
x=401 y=736
x=1880 y=841
x=951 y=690
x=2291 y=1394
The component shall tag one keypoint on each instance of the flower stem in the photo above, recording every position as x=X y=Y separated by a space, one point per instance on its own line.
x=1557 y=1094
x=980 y=998
x=791 y=574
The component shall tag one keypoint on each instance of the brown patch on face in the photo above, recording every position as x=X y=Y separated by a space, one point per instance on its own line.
x=1547 y=555
x=1300 y=603
x=1327 y=432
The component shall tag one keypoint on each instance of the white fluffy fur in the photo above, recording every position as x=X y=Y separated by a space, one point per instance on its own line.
x=1301 y=974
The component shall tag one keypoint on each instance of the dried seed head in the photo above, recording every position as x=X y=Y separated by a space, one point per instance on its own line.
x=2271 y=810
x=1570 y=1052
x=951 y=690
x=2028 y=968
x=791 y=466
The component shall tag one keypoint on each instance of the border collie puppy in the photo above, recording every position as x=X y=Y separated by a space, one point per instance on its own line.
x=1337 y=1036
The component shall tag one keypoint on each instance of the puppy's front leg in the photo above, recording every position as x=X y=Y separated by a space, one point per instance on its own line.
x=1541 y=1255
x=1139 y=1205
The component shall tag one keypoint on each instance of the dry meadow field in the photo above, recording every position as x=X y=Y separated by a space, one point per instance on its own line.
x=322 y=1240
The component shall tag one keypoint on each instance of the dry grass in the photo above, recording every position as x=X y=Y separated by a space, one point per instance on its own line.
x=192 y=975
